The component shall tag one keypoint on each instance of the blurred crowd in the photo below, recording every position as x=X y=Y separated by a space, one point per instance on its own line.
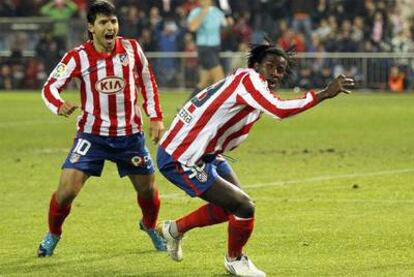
x=160 y=25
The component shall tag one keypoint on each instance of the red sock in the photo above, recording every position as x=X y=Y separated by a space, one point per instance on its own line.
x=150 y=209
x=208 y=214
x=239 y=231
x=57 y=215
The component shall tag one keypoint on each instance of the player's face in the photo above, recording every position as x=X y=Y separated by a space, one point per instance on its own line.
x=273 y=68
x=104 y=31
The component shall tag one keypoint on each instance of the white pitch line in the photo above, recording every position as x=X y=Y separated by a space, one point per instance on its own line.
x=313 y=179
x=331 y=177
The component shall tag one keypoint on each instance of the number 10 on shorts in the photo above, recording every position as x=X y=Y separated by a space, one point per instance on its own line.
x=82 y=147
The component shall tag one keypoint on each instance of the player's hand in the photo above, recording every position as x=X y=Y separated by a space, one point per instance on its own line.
x=338 y=85
x=156 y=130
x=67 y=108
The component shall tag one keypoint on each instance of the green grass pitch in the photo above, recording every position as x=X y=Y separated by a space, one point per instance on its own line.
x=333 y=187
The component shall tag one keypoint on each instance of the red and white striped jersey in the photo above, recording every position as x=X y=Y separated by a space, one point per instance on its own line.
x=220 y=117
x=108 y=88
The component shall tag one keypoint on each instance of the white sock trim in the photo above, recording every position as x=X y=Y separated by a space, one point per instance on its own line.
x=241 y=218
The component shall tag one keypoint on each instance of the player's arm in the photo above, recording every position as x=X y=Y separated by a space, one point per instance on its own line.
x=58 y=79
x=257 y=95
x=338 y=85
x=149 y=91
x=195 y=21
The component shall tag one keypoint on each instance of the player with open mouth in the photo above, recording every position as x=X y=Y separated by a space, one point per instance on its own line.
x=215 y=121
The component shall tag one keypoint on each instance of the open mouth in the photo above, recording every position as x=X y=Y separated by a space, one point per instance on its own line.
x=272 y=83
x=109 y=37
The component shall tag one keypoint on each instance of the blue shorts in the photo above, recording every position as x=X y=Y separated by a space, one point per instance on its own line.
x=196 y=179
x=130 y=154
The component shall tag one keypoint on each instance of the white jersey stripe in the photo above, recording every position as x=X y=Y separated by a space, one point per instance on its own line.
x=120 y=100
x=108 y=87
x=146 y=78
x=221 y=116
x=103 y=100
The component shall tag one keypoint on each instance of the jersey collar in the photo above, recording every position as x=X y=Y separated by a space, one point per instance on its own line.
x=103 y=55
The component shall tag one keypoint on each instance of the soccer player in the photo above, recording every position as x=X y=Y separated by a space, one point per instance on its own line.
x=217 y=120
x=110 y=126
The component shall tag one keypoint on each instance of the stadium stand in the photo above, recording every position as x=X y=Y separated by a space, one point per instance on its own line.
x=324 y=32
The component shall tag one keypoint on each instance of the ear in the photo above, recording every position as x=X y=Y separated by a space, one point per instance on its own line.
x=91 y=29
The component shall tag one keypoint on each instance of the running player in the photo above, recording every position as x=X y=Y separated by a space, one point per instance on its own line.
x=217 y=120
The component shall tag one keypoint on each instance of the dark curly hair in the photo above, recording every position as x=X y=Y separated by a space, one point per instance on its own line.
x=259 y=51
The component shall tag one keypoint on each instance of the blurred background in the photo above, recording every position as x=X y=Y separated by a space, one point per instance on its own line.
x=370 y=40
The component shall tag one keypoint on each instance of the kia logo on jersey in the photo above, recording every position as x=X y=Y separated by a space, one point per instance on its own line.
x=110 y=85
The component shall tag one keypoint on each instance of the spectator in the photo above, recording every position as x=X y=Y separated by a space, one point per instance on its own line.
x=189 y=5
x=155 y=20
x=320 y=12
x=242 y=29
x=6 y=78
x=168 y=42
x=301 y=16
x=190 y=64
x=60 y=11
x=396 y=80
x=147 y=41
x=133 y=22
x=323 y=77
x=47 y=50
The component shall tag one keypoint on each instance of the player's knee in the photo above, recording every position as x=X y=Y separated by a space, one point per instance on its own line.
x=67 y=191
x=245 y=209
x=146 y=190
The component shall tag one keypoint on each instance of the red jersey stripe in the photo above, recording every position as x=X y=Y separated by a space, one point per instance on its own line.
x=206 y=116
x=236 y=118
x=112 y=112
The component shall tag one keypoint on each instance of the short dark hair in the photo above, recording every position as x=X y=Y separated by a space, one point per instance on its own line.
x=259 y=51
x=99 y=7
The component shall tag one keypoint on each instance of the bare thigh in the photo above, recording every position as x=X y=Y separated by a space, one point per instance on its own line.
x=70 y=183
x=230 y=197
x=216 y=73
x=143 y=184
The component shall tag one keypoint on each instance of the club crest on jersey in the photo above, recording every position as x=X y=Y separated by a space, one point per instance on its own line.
x=202 y=176
x=74 y=158
x=60 y=71
x=110 y=85
x=196 y=171
x=124 y=59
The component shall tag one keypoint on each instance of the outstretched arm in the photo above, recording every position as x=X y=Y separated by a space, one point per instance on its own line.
x=338 y=85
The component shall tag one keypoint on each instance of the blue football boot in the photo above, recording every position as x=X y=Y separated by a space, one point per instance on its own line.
x=48 y=245
x=158 y=241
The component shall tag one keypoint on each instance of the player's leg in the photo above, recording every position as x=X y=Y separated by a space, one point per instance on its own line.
x=208 y=59
x=205 y=79
x=148 y=200
x=84 y=160
x=70 y=184
x=135 y=162
x=210 y=214
x=240 y=264
x=216 y=73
